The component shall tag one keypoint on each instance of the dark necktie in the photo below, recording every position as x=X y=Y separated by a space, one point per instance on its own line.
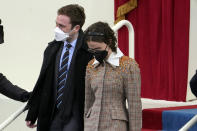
x=62 y=75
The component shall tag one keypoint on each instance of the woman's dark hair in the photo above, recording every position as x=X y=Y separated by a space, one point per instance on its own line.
x=101 y=32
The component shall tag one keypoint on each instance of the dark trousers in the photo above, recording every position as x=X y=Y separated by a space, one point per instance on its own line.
x=59 y=125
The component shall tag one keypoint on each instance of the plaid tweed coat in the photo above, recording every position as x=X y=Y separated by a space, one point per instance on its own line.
x=107 y=89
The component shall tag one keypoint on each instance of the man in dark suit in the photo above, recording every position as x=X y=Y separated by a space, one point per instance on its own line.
x=6 y=87
x=57 y=101
x=193 y=84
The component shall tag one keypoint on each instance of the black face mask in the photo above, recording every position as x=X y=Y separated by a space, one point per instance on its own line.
x=100 y=55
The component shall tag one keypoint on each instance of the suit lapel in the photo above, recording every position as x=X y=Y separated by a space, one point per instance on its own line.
x=57 y=62
x=72 y=64
x=53 y=51
x=53 y=58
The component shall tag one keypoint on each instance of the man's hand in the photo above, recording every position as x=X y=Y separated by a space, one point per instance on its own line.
x=30 y=125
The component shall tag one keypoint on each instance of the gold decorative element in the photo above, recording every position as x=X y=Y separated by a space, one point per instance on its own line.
x=124 y=9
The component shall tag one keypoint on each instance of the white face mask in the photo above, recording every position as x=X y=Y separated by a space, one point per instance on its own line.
x=60 y=35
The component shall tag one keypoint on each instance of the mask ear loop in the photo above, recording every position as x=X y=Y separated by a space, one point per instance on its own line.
x=107 y=54
x=106 y=48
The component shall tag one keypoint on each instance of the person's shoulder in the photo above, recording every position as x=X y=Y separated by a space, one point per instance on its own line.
x=54 y=42
x=127 y=61
x=90 y=64
x=51 y=46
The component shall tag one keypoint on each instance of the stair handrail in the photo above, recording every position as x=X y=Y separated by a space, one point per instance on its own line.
x=189 y=124
x=10 y=119
x=131 y=35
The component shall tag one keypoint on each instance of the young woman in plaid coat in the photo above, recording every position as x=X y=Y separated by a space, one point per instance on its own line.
x=111 y=80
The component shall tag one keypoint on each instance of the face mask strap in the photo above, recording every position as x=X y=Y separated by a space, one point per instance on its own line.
x=106 y=47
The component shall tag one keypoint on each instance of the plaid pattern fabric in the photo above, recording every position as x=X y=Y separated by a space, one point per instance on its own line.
x=107 y=89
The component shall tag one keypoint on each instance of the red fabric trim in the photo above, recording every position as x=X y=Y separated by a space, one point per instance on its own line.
x=152 y=118
x=161 y=46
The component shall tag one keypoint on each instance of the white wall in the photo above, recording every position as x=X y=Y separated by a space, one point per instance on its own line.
x=192 y=46
x=28 y=27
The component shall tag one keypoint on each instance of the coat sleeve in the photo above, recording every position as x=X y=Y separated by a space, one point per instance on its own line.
x=12 y=91
x=132 y=85
x=89 y=96
x=34 y=101
x=193 y=84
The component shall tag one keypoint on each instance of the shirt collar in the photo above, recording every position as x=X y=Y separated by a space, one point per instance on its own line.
x=73 y=43
x=113 y=58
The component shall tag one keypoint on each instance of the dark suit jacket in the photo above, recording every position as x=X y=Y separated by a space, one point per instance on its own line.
x=42 y=102
x=193 y=84
x=12 y=91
